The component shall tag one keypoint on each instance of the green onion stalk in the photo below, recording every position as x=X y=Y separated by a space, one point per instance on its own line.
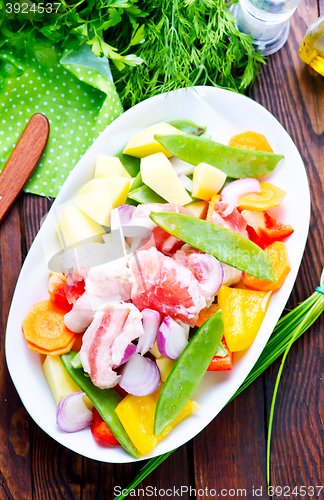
x=288 y=329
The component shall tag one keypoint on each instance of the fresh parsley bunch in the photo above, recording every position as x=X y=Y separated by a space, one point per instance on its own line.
x=155 y=45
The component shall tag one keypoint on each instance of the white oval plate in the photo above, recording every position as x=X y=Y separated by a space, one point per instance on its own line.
x=225 y=114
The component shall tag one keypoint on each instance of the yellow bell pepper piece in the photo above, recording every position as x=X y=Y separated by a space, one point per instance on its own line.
x=137 y=416
x=270 y=196
x=243 y=313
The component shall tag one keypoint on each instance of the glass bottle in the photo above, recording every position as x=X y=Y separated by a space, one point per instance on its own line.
x=312 y=49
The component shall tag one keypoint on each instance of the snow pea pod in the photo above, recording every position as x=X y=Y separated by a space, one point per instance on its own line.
x=144 y=194
x=234 y=162
x=186 y=126
x=188 y=371
x=105 y=400
x=227 y=246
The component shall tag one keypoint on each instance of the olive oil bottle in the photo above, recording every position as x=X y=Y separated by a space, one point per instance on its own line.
x=312 y=49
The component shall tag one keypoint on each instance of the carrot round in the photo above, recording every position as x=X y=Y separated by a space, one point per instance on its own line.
x=277 y=253
x=45 y=331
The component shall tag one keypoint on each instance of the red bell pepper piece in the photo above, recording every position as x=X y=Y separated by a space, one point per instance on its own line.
x=219 y=364
x=74 y=291
x=57 y=293
x=101 y=431
x=263 y=229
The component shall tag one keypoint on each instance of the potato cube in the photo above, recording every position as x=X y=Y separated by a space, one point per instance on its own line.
x=157 y=173
x=108 y=166
x=59 y=381
x=207 y=180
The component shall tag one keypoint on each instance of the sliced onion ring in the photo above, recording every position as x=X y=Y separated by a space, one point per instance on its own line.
x=129 y=351
x=151 y=323
x=171 y=338
x=140 y=376
x=234 y=190
x=125 y=213
x=72 y=414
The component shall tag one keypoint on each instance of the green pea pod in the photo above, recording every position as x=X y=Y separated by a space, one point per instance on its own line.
x=188 y=371
x=227 y=246
x=186 y=126
x=144 y=194
x=234 y=162
x=131 y=163
x=105 y=400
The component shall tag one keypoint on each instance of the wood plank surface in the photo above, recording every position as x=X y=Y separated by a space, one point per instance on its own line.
x=230 y=454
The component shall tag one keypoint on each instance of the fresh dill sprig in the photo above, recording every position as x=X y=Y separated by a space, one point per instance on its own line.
x=288 y=329
x=187 y=42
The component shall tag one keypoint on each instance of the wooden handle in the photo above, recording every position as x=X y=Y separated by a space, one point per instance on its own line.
x=23 y=161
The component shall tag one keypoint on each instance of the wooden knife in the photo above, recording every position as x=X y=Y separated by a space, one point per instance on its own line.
x=22 y=161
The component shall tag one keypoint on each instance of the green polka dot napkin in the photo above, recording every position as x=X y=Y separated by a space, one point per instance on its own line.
x=79 y=99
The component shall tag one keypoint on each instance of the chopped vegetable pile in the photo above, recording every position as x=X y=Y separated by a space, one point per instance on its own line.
x=181 y=281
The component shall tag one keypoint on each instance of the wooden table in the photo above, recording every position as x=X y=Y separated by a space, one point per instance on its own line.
x=230 y=453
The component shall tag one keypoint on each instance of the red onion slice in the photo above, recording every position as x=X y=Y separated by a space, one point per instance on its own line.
x=72 y=414
x=125 y=213
x=129 y=351
x=172 y=338
x=140 y=376
x=151 y=323
x=234 y=190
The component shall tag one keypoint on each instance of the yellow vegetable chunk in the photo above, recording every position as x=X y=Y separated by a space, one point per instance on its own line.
x=110 y=166
x=137 y=416
x=198 y=208
x=165 y=366
x=269 y=197
x=97 y=205
x=75 y=226
x=59 y=381
x=116 y=186
x=207 y=181
x=155 y=351
x=243 y=313
x=158 y=174
x=143 y=144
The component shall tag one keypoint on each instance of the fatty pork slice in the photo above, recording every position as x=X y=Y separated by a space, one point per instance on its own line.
x=80 y=316
x=104 y=343
x=108 y=283
x=206 y=269
x=229 y=217
x=162 y=284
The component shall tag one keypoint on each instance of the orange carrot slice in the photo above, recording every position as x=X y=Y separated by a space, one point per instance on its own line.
x=278 y=255
x=250 y=140
x=44 y=328
x=270 y=196
x=206 y=313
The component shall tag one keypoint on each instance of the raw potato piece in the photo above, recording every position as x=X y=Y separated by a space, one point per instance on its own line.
x=97 y=205
x=198 y=208
x=59 y=381
x=207 y=180
x=144 y=144
x=99 y=196
x=108 y=166
x=157 y=173
x=76 y=226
